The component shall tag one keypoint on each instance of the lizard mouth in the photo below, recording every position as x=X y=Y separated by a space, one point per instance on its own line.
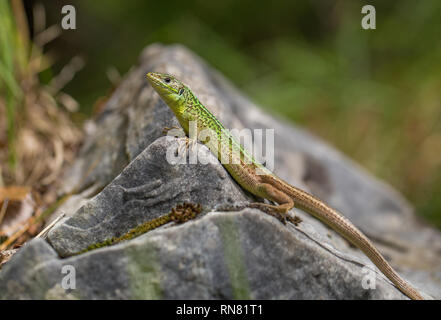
x=154 y=79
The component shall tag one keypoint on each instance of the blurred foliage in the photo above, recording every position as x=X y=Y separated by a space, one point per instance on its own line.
x=36 y=137
x=374 y=94
x=13 y=61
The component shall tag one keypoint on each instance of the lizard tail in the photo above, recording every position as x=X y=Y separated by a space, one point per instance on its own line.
x=344 y=227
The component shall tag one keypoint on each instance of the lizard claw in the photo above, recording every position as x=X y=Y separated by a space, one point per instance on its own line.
x=188 y=145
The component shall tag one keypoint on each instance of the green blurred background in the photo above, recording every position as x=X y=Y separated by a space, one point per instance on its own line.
x=374 y=94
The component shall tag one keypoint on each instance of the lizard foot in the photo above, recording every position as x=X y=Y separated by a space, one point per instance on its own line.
x=188 y=145
x=271 y=210
x=294 y=220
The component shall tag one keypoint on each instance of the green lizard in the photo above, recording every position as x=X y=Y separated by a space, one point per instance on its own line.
x=254 y=177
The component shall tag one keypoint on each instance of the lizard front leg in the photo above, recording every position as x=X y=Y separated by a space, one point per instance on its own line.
x=189 y=145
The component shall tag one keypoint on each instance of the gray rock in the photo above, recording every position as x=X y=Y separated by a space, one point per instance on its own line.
x=122 y=179
x=146 y=189
x=223 y=255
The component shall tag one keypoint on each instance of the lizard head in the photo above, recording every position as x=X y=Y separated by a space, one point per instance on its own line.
x=168 y=87
x=175 y=94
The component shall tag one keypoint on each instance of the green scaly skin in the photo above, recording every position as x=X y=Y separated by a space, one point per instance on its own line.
x=258 y=180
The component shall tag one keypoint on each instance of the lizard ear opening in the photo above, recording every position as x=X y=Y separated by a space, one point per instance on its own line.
x=181 y=91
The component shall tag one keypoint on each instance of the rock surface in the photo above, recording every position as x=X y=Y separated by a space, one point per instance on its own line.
x=223 y=256
x=122 y=179
x=146 y=189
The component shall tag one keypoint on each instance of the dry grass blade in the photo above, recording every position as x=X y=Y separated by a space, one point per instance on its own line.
x=6 y=255
x=8 y=242
x=66 y=74
x=3 y=209
x=49 y=227
x=15 y=193
x=36 y=218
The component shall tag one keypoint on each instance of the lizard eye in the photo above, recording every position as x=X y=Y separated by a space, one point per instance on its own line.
x=167 y=80
x=181 y=91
